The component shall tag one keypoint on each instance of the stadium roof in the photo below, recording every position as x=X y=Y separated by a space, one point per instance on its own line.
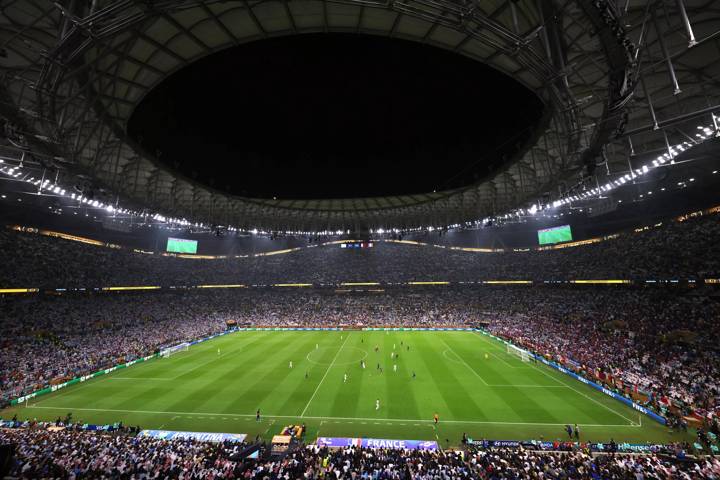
x=621 y=86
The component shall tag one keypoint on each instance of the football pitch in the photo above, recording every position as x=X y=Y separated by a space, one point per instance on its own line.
x=468 y=379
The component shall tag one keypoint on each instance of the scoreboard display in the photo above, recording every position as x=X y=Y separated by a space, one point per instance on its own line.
x=181 y=245
x=555 y=235
x=351 y=245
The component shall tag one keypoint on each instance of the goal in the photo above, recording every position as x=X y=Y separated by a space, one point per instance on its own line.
x=518 y=352
x=167 y=352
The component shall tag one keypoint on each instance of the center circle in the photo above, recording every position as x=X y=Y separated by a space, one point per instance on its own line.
x=355 y=356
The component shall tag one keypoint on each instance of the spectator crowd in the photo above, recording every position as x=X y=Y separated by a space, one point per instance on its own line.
x=659 y=345
x=689 y=249
x=662 y=343
x=66 y=453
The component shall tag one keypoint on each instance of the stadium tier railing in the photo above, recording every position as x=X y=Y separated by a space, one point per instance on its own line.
x=342 y=287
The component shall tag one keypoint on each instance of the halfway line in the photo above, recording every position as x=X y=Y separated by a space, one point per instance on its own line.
x=323 y=378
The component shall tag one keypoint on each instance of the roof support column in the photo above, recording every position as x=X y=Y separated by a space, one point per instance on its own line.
x=686 y=21
x=668 y=60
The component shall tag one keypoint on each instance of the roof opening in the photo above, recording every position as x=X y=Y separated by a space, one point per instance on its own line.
x=335 y=116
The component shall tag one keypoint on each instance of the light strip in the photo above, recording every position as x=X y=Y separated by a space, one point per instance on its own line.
x=428 y=283
x=222 y=286
x=507 y=282
x=293 y=285
x=358 y=284
x=276 y=252
x=18 y=290
x=474 y=249
x=114 y=289
x=596 y=282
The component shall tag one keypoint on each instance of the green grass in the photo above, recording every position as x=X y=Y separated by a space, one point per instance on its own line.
x=498 y=397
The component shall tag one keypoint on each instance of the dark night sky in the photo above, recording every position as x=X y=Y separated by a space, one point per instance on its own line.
x=333 y=116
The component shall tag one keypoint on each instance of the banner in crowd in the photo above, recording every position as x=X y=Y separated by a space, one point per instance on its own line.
x=584 y=380
x=562 y=446
x=199 y=436
x=342 y=442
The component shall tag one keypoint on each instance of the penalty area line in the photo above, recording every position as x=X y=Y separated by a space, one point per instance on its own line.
x=542 y=369
x=326 y=419
x=464 y=362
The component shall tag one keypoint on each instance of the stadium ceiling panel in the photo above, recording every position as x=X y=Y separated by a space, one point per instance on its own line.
x=621 y=81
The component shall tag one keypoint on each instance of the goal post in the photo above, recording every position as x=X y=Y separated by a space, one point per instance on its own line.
x=518 y=352
x=167 y=352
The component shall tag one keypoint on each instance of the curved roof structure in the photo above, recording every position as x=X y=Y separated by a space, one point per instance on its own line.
x=619 y=85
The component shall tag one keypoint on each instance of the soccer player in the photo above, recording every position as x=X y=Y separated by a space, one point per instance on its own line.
x=218 y=351
x=436 y=418
x=395 y=367
x=307 y=375
x=486 y=356
x=377 y=404
x=413 y=373
x=393 y=346
x=569 y=430
x=345 y=378
x=577 y=432
x=257 y=415
x=290 y=363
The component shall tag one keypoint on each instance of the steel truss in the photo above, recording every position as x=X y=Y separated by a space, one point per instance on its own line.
x=616 y=81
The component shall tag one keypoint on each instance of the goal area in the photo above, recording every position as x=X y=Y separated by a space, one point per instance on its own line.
x=518 y=352
x=167 y=352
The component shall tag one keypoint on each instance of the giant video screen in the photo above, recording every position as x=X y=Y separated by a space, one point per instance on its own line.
x=181 y=245
x=559 y=234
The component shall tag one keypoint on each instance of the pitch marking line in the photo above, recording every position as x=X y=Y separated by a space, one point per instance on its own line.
x=323 y=378
x=506 y=362
x=542 y=370
x=445 y=354
x=342 y=363
x=464 y=362
x=327 y=419
x=214 y=359
x=509 y=385
x=138 y=378
x=585 y=395
x=89 y=381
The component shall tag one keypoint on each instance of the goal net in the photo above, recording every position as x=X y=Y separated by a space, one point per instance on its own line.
x=518 y=352
x=167 y=352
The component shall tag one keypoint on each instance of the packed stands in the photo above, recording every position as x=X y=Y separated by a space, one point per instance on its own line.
x=689 y=249
x=656 y=345
x=67 y=453
x=631 y=339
